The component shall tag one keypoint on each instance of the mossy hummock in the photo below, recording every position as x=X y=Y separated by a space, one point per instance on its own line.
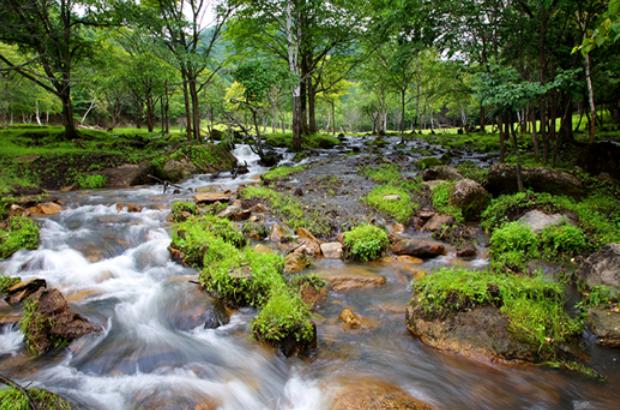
x=21 y=233
x=365 y=243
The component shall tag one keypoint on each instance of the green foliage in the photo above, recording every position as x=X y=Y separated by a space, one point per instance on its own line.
x=365 y=243
x=33 y=324
x=22 y=233
x=255 y=230
x=94 y=181
x=533 y=305
x=282 y=172
x=6 y=282
x=473 y=171
x=178 y=209
x=312 y=280
x=599 y=295
x=400 y=208
x=383 y=174
x=512 y=246
x=13 y=399
x=441 y=200
x=563 y=239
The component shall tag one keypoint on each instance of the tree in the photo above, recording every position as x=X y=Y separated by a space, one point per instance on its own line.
x=54 y=32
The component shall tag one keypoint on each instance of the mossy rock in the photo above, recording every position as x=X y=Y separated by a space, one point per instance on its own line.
x=425 y=163
x=365 y=243
x=13 y=399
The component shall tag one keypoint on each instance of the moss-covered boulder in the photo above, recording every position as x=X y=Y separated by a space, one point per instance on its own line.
x=365 y=243
x=49 y=323
x=492 y=316
x=19 y=233
x=13 y=399
x=195 y=159
x=502 y=179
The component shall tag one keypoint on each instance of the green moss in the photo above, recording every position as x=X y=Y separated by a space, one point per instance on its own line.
x=383 y=174
x=94 y=181
x=533 y=306
x=282 y=172
x=365 y=243
x=33 y=325
x=562 y=240
x=401 y=208
x=312 y=280
x=598 y=295
x=6 y=282
x=598 y=214
x=289 y=209
x=192 y=237
x=441 y=200
x=512 y=246
x=284 y=316
x=255 y=230
x=13 y=399
x=22 y=233
x=285 y=140
x=179 y=210
x=428 y=162
x=206 y=157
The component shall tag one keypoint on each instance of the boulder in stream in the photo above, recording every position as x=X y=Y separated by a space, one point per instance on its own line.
x=128 y=175
x=420 y=248
x=502 y=179
x=602 y=268
x=49 y=323
x=605 y=325
x=470 y=197
x=372 y=394
x=21 y=290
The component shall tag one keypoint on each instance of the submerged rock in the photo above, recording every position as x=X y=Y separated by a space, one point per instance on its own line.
x=605 y=324
x=602 y=268
x=502 y=179
x=44 y=209
x=437 y=221
x=48 y=322
x=352 y=279
x=420 y=248
x=481 y=332
x=371 y=394
x=295 y=262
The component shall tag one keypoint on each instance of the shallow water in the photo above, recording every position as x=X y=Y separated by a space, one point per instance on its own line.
x=153 y=351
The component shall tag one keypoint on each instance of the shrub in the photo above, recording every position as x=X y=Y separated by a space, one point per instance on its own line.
x=533 y=306
x=13 y=399
x=282 y=172
x=22 y=233
x=94 y=181
x=441 y=200
x=564 y=239
x=514 y=237
x=400 y=209
x=365 y=242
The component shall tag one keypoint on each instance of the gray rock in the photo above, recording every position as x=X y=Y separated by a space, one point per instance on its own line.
x=470 y=197
x=538 y=220
x=502 y=179
x=602 y=267
x=605 y=324
x=444 y=172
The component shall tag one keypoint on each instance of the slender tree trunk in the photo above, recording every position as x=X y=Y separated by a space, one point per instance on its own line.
x=312 y=127
x=333 y=112
x=403 y=94
x=515 y=147
x=592 y=130
x=150 y=114
x=188 y=115
x=67 y=114
x=293 y=35
x=37 y=115
x=193 y=92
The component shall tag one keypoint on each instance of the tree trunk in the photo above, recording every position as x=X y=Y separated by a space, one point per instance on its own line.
x=67 y=114
x=312 y=128
x=188 y=115
x=333 y=112
x=193 y=92
x=592 y=130
x=515 y=147
x=150 y=114
x=403 y=94
x=293 y=53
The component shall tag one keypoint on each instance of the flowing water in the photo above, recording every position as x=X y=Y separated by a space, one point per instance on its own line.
x=153 y=351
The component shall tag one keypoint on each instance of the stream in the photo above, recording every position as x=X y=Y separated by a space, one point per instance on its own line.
x=153 y=351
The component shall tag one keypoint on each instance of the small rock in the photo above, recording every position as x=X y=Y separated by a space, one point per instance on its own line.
x=420 y=248
x=538 y=220
x=396 y=228
x=437 y=221
x=426 y=214
x=602 y=267
x=441 y=172
x=331 y=250
x=235 y=213
x=311 y=296
x=312 y=244
x=44 y=209
x=278 y=234
x=131 y=207
x=350 y=319
x=371 y=394
x=295 y=262
x=211 y=197
x=299 y=192
x=17 y=293
x=391 y=198
x=260 y=248
x=466 y=251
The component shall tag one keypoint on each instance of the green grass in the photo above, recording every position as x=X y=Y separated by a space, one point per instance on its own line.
x=22 y=233
x=179 y=210
x=282 y=172
x=441 y=200
x=401 y=209
x=6 y=282
x=94 y=181
x=425 y=163
x=365 y=243
x=13 y=399
x=533 y=306
x=383 y=174
x=473 y=171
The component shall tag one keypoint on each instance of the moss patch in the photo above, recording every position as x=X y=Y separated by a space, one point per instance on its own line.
x=13 y=399
x=365 y=243
x=393 y=201
x=94 y=181
x=180 y=211
x=6 y=282
x=21 y=233
x=282 y=172
x=441 y=200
